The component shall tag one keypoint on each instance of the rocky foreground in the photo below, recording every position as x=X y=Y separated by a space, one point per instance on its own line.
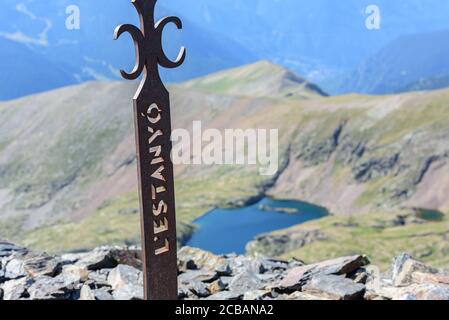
x=113 y=273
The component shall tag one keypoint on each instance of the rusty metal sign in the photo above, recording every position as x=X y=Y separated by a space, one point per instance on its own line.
x=155 y=170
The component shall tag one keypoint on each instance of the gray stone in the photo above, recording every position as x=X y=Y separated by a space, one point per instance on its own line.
x=58 y=288
x=184 y=292
x=195 y=259
x=225 y=295
x=256 y=295
x=15 y=289
x=129 y=292
x=200 y=289
x=97 y=259
x=245 y=282
x=216 y=286
x=274 y=264
x=242 y=264
x=79 y=273
x=100 y=277
x=197 y=275
x=87 y=293
x=226 y=280
x=15 y=269
x=304 y=296
x=403 y=269
x=299 y=276
x=103 y=293
x=398 y=263
x=334 y=287
x=7 y=249
x=40 y=265
x=123 y=276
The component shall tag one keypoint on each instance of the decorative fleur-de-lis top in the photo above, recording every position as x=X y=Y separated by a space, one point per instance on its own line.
x=148 y=42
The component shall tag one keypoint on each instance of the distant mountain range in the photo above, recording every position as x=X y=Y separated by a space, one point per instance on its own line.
x=320 y=38
x=324 y=40
x=90 y=53
x=412 y=62
x=25 y=71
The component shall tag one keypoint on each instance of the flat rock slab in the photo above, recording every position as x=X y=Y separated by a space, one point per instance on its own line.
x=225 y=295
x=299 y=276
x=245 y=282
x=334 y=287
x=197 y=275
x=123 y=276
x=7 y=249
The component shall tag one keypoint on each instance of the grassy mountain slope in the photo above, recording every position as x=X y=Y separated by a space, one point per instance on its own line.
x=68 y=177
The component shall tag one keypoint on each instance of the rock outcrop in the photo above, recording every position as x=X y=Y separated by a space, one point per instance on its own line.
x=113 y=273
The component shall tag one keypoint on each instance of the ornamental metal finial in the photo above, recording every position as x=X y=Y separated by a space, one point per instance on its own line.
x=155 y=169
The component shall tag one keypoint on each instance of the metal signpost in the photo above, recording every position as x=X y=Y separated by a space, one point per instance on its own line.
x=155 y=169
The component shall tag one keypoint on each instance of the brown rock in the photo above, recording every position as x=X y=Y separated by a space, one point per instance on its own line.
x=420 y=278
x=423 y=292
x=404 y=276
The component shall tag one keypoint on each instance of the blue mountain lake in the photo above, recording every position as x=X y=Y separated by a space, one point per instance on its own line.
x=224 y=231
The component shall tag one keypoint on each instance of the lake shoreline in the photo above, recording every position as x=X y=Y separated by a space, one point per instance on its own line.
x=213 y=228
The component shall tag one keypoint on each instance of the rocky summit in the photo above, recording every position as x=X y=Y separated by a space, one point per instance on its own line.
x=114 y=273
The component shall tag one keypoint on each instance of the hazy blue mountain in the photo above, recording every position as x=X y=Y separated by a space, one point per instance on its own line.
x=432 y=83
x=24 y=71
x=90 y=53
x=318 y=38
x=412 y=62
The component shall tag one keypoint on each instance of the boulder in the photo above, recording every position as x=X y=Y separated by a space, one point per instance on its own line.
x=242 y=264
x=216 y=286
x=200 y=289
x=16 y=289
x=195 y=259
x=15 y=268
x=404 y=267
x=58 y=288
x=245 y=282
x=129 y=292
x=7 y=249
x=123 y=276
x=40 y=265
x=80 y=273
x=97 y=259
x=87 y=293
x=334 y=287
x=103 y=293
x=197 y=275
x=299 y=276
